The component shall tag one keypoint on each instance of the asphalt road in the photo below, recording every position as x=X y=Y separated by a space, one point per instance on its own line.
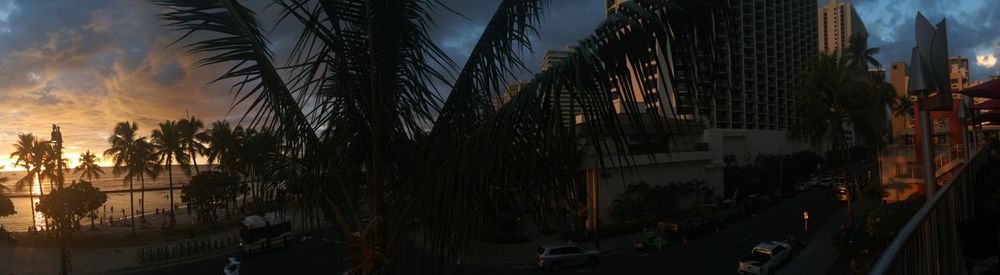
x=310 y=257
x=714 y=254
x=718 y=253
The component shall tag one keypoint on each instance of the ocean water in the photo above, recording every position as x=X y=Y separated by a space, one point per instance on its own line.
x=109 y=182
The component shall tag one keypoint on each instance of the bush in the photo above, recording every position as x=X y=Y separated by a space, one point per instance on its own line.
x=611 y=230
x=208 y=190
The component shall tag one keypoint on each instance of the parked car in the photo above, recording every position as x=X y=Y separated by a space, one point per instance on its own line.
x=556 y=255
x=765 y=258
x=813 y=182
x=802 y=187
x=826 y=181
x=841 y=193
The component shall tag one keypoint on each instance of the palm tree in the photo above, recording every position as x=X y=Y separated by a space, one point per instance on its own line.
x=24 y=150
x=192 y=137
x=123 y=143
x=834 y=95
x=88 y=167
x=6 y=205
x=376 y=134
x=168 y=147
x=52 y=162
x=223 y=145
x=903 y=107
x=859 y=55
x=144 y=163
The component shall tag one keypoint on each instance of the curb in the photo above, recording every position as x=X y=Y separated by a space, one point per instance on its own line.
x=165 y=264
x=532 y=264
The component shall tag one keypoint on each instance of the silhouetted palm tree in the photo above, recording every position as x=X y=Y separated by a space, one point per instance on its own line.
x=144 y=163
x=192 y=137
x=24 y=150
x=223 y=145
x=51 y=160
x=88 y=167
x=6 y=205
x=123 y=142
x=833 y=96
x=360 y=109
x=904 y=107
x=168 y=147
x=858 y=55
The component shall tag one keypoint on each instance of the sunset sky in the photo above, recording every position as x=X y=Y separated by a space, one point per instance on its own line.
x=86 y=65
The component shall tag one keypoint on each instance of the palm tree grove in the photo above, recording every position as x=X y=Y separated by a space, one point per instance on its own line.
x=499 y=137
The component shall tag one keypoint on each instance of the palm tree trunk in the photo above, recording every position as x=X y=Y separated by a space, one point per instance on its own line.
x=41 y=193
x=170 y=177
x=194 y=160
x=142 y=198
x=131 y=204
x=31 y=198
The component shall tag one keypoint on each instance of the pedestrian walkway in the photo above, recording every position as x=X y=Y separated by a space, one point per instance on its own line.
x=45 y=260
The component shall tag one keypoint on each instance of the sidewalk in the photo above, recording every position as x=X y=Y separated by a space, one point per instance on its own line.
x=45 y=260
x=36 y=255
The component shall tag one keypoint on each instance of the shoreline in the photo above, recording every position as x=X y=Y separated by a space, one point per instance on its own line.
x=178 y=187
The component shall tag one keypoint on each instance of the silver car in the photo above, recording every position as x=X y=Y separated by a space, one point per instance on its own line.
x=556 y=255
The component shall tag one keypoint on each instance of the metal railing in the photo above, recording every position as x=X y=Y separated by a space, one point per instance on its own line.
x=944 y=156
x=928 y=243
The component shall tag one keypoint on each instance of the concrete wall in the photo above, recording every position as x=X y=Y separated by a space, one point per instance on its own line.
x=613 y=181
x=756 y=142
x=708 y=166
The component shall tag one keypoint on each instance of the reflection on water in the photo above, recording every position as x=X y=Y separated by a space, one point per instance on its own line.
x=119 y=202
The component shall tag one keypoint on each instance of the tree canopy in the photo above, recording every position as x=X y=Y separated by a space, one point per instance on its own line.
x=67 y=206
x=207 y=190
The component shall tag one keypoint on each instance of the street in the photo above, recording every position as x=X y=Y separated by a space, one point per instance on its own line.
x=714 y=254
x=718 y=253
x=311 y=257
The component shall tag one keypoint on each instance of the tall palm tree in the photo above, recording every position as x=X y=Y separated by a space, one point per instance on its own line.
x=192 y=137
x=123 y=142
x=88 y=167
x=223 y=145
x=834 y=95
x=144 y=163
x=52 y=162
x=859 y=55
x=168 y=147
x=24 y=150
x=360 y=111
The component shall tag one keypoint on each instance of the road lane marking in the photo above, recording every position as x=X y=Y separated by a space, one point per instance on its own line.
x=743 y=239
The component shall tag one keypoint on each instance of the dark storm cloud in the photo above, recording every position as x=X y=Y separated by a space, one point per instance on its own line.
x=564 y=23
x=973 y=29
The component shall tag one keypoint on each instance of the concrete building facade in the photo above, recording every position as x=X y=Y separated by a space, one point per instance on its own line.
x=737 y=89
x=838 y=21
x=959 y=72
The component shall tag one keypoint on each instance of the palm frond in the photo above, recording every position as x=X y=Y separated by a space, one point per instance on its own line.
x=238 y=41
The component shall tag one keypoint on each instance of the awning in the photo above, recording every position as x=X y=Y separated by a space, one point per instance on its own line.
x=988 y=89
x=989 y=104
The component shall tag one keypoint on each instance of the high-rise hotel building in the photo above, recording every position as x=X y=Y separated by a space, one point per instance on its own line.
x=743 y=78
x=734 y=78
x=838 y=22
